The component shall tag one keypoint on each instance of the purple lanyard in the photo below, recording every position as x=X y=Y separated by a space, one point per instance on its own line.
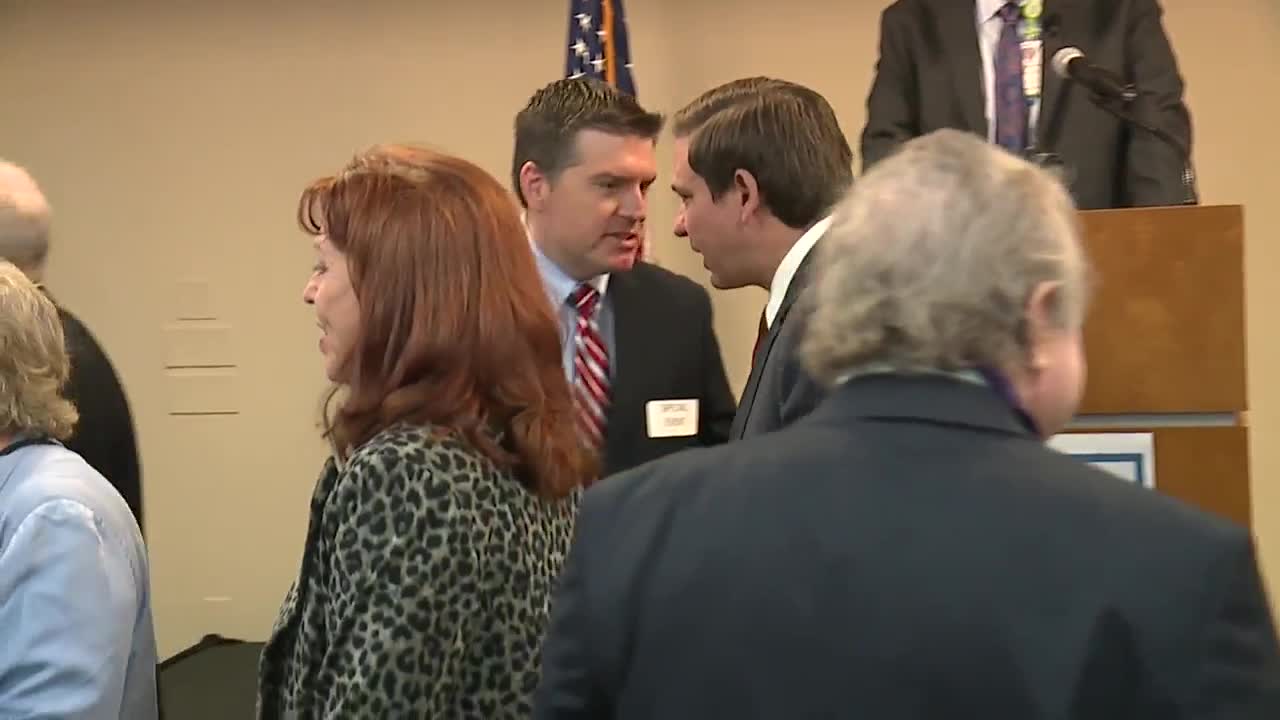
x=997 y=381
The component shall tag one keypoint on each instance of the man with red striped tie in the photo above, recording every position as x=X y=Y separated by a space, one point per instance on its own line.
x=640 y=351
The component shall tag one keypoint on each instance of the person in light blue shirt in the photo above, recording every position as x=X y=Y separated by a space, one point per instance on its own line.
x=77 y=640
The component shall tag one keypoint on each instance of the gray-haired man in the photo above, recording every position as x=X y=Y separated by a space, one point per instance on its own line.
x=911 y=549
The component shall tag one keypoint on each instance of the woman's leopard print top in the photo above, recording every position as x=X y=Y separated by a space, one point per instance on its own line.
x=424 y=587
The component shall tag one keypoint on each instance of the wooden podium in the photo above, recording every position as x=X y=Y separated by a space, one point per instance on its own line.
x=1165 y=343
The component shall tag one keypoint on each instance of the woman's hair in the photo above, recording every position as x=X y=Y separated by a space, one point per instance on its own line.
x=456 y=329
x=33 y=361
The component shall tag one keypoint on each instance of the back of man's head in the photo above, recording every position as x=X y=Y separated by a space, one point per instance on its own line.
x=932 y=259
x=24 y=220
x=784 y=134
x=548 y=126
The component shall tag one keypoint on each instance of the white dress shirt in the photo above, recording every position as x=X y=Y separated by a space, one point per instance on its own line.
x=786 y=271
x=989 y=27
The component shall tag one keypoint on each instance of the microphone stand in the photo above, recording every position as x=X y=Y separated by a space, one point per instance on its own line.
x=1041 y=151
x=1125 y=111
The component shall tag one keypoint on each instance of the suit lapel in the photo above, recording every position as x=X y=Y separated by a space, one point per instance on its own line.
x=753 y=380
x=631 y=334
x=954 y=27
x=798 y=283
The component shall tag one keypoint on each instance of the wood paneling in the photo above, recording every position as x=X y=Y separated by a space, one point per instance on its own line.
x=1165 y=332
x=1205 y=466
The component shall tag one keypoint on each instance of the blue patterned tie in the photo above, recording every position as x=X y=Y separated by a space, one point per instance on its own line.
x=1011 y=103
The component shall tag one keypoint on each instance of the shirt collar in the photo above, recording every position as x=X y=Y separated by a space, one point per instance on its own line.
x=883 y=368
x=558 y=283
x=786 y=271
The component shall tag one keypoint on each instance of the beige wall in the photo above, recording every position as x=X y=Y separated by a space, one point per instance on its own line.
x=173 y=138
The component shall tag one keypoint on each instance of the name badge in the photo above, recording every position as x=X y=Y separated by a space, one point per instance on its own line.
x=1032 y=67
x=671 y=418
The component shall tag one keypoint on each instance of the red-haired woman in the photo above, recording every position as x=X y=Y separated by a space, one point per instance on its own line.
x=440 y=523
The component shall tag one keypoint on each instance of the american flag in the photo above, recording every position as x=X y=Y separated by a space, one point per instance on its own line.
x=598 y=48
x=598 y=44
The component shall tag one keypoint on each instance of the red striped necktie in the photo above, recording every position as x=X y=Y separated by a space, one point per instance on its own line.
x=590 y=367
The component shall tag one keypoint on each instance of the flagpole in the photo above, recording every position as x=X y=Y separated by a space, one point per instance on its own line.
x=599 y=47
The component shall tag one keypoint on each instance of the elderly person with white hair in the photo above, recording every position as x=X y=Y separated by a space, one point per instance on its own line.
x=912 y=549
x=104 y=436
x=76 y=634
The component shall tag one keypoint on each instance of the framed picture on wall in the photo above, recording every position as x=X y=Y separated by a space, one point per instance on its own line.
x=1130 y=456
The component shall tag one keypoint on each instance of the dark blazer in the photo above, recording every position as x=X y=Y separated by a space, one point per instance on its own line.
x=906 y=551
x=665 y=349
x=929 y=76
x=104 y=436
x=779 y=389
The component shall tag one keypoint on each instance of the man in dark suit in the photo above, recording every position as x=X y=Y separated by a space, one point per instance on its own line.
x=911 y=549
x=758 y=164
x=104 y=435
x=944 y=64
x=640 y=349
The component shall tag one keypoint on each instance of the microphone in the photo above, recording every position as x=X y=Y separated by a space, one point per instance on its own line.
x=1111 y=93
x=1070 y=64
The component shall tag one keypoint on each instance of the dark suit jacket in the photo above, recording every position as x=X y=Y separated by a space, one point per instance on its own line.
x=929 y=76
x=104 y=436
x=906 y=551
x=779 y=389
x=665 y=349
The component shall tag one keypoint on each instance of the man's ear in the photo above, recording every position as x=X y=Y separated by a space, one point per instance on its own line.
x=535 y=185
x=746 y=193
x=1041 y=314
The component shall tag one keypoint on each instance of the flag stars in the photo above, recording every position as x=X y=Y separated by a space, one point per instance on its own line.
x=597 y=44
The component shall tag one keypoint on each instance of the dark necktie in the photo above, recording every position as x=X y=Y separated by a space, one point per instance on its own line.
x=1011 y=103
x=761 y=331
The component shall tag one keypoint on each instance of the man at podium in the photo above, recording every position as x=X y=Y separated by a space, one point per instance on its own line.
x=1112 y=115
